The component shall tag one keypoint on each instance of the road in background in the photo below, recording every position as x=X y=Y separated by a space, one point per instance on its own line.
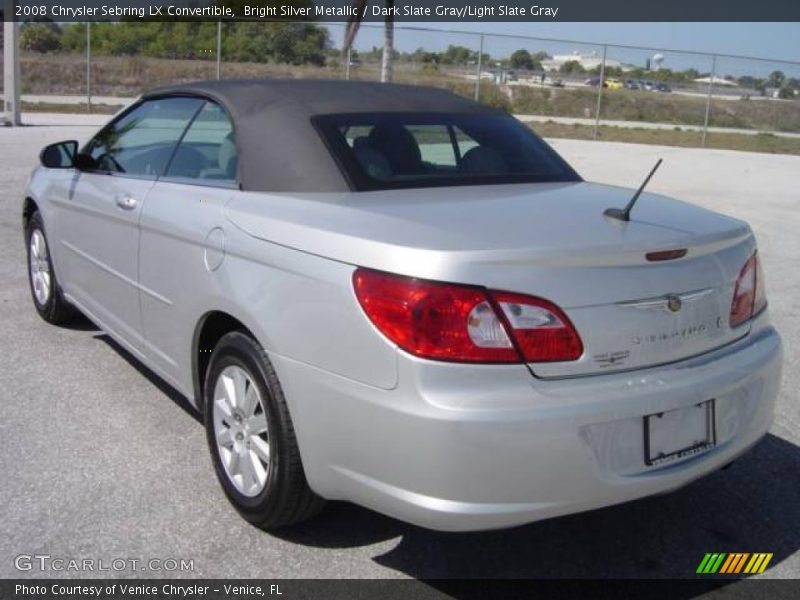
x=99 y=459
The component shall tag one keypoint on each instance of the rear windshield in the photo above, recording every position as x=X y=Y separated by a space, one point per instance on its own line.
x=380 y=151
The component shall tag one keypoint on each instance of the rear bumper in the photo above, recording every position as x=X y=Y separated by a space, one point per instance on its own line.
x=458 y=448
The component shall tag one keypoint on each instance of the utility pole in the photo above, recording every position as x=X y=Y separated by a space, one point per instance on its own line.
x=11 y=78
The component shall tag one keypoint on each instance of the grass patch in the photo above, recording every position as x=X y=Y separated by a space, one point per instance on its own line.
x=676 y=109
x=765 y=143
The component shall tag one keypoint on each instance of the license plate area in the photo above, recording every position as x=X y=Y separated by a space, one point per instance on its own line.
x=678 y=434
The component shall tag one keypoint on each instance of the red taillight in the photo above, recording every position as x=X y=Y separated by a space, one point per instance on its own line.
x=542 y=331
x=749 y=293
x=460 y=323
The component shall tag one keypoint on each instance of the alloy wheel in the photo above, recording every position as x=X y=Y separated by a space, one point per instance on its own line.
x=40 y=267
x=241 y=431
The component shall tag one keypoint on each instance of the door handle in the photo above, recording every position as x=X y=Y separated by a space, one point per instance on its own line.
x=126 y=202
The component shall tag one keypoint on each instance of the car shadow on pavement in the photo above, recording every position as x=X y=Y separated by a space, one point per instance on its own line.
x=751 y=507
x=79 y=322
x=159 y=383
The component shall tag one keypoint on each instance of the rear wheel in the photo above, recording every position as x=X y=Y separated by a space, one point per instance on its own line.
x=251 y=437
x=45 y=291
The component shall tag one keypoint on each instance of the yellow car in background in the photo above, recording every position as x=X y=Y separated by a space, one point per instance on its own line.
x=613 y=84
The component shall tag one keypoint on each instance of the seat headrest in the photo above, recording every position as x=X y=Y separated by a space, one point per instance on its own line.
x=482 y=160
x=396 y=143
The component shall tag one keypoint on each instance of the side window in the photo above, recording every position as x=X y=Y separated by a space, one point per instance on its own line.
x=208 y=151
x=142 y=141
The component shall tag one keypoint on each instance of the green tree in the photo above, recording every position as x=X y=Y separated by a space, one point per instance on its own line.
x=746 y=81
x=521 y=59
x=456 y=55
x=40 y=36
x=571 y=67
x=776 y=79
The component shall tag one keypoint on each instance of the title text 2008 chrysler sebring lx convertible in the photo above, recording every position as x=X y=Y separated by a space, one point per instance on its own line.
x=397 y=297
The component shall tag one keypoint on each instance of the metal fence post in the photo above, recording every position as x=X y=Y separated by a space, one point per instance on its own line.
x=89 y=66
x=478 y=74
x=347 y=66
x=219 y=49
x=708 y=97
x=600 y=93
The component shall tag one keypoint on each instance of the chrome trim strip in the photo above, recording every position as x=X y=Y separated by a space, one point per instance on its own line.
x=662 y=301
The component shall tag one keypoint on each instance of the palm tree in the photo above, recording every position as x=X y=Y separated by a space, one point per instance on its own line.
x=388 y=35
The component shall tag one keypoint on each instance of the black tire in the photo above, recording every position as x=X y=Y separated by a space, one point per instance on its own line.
x=286 y=498
x=55 y=309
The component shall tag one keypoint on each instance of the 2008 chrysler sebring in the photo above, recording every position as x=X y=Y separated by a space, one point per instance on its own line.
x=397 y=297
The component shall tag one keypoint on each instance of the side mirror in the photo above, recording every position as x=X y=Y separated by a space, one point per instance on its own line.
x=60 y=155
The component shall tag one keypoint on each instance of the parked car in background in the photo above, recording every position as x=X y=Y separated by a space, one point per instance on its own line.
x=553 y=82
x=631 y=84
x=395 y=296
x=663 y=88
x=613 y=83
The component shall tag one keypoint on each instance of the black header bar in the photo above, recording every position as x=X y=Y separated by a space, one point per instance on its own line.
x=408 y=10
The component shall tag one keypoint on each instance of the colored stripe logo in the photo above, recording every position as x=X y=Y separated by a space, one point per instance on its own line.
x=734 y=563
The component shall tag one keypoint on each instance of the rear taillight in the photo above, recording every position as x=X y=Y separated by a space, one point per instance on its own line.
x=461 y=323
x=749 y=293
x=542 y=331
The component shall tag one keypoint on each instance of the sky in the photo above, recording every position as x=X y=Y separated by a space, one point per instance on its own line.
x=770 y=40
x=763 y=40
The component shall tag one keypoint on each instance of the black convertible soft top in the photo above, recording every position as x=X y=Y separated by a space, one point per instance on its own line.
x=278 y=146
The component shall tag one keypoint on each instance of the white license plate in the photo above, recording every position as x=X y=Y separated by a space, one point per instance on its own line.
x=678 y=434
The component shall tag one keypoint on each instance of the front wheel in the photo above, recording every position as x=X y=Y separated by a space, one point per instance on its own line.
x=46 y=294
x=251 y=437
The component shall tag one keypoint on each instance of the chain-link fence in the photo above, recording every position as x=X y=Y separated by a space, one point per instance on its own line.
x=564 y=88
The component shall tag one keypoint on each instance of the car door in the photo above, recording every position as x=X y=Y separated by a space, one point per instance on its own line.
x=183 y=241
x=99 y=219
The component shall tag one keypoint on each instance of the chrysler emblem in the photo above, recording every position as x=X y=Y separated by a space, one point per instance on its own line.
x=674 y=303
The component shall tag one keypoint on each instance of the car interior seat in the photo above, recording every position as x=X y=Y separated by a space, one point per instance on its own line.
x=482 y=160
x=396 y=143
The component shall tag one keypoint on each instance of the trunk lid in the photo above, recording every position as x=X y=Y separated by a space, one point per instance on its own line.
x=546 y=240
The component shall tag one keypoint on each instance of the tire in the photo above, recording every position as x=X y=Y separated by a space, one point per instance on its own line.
x=45 y=291
x=269 y=489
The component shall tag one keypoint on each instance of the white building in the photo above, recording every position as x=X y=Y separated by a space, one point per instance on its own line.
x=588 y=61
x=716 y=81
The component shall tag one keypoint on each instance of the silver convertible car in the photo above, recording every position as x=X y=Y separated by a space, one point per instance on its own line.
x=394 y=296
